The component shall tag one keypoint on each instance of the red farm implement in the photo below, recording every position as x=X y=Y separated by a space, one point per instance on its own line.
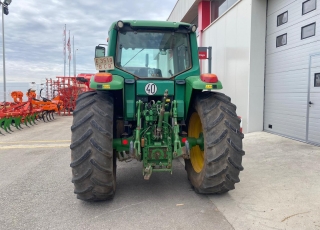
x=60 y=97
x=19 y=112
x=67 y=89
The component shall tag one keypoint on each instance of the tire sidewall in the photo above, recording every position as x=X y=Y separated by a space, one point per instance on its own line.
x=196 y=178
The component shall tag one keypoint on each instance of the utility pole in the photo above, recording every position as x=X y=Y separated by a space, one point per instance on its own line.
x=64 y=49
x=5 y=10
x=75 y=62
x=69 y=53
x=74 y=72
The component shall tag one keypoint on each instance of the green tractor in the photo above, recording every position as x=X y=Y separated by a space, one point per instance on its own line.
x=149 y=102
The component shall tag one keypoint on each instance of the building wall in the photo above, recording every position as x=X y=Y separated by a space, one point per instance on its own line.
x=229 y=37
x=257 y=65
x=238 y=55
x=181 y=9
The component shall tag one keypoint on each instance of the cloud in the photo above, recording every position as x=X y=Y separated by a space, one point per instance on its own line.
x=34 y=32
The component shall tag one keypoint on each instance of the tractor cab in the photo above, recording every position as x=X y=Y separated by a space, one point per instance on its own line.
x=150 y=52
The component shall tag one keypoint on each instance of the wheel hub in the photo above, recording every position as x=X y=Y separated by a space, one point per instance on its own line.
x=196 y=154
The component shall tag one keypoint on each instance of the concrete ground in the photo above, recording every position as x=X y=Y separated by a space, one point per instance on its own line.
x=279 y=188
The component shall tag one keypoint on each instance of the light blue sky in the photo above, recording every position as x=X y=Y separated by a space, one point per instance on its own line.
x=34 y=32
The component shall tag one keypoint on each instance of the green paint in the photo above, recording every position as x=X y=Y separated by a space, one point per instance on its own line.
x=194 y=84
x=33 y=117
x=7 y=123
x=17 y=121
x=180 y=98
x=129 y=110
x=155 y=141
x=136 y=144
x=118 y=146
x=177 y=90
x=162 y=85
x=151 y=24
x=115 y=84
x=195 y=69
x=195 y=141
x=28 y=118
x=177 y=143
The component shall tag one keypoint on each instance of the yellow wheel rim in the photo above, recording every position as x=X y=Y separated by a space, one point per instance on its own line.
x=194 y=130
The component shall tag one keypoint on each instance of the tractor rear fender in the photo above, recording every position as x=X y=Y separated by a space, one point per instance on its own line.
x=194 y=85
x=116 y=83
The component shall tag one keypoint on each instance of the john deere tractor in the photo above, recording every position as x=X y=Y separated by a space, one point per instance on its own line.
x=149 y=102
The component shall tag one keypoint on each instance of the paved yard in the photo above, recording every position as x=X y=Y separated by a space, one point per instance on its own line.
x=279 y=188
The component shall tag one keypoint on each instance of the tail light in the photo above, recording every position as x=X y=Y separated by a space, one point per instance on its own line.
x=103 y=77
x=209 y=78
x=125 y=142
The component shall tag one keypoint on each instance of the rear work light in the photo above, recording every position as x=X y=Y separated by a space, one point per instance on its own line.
x=209 y=78
x=103 y=77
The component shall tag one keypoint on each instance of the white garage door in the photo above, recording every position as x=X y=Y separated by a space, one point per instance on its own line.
x=292 y=97
x=313 y=131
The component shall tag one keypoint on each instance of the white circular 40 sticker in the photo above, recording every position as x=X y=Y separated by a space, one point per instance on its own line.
x=150 y=89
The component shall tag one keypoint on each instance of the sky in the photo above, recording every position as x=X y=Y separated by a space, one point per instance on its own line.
x=34 y=33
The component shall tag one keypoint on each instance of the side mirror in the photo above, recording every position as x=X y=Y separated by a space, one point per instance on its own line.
x=100 y=51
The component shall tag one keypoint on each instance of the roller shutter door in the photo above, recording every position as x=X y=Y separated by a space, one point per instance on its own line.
x=292 y=96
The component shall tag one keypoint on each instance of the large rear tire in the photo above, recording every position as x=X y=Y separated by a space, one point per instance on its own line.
x=215 y=168
x=92 y=160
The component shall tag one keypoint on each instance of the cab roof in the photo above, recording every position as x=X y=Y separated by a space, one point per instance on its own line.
x=152 y=24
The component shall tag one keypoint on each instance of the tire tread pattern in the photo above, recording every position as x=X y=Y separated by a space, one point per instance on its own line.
x=223 y=145
x=80 y=160
x=92 y=163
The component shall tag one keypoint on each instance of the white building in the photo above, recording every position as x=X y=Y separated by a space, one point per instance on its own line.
x=267 y=55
